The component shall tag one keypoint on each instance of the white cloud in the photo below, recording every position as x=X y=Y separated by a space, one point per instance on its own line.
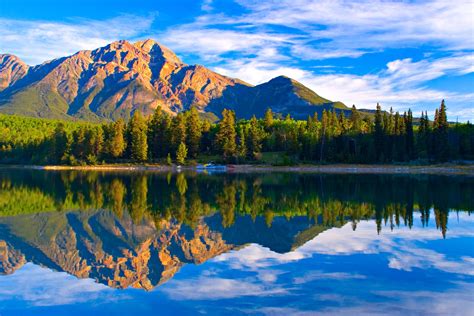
x=272 y=38
x=404 y=248
x=38 y=41
x=400 y=85
x=214 y=288
x=43 y=287
x=372 y=24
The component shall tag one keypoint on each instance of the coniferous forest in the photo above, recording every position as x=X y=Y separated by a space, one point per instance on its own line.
x=381 y=137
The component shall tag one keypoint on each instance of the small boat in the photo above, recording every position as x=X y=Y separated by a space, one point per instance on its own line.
x=211 y=167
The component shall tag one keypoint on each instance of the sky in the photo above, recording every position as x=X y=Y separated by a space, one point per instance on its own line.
x=403 y=54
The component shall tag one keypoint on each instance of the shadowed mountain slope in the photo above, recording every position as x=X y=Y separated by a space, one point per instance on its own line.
x=113 y=81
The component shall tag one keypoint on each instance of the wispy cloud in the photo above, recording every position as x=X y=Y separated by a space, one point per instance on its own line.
x=43 y=287
x=38 y=41
x=403 y=246
x=265 y=39
x=402 y=84
x=274 y=38
x=214 y=288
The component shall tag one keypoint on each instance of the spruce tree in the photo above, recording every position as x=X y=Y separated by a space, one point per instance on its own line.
x=409 y=136
x=154 y=140
x=378 y=134
x=178 y=134
x=254 y=139
x=226 y=134
x=117 y=143
x=441 y=134
x=268 y=119
x=193 y=132
x=355 y=120
x=61 y=144
x=242 y=146
x=137 y=131
x=181 y=153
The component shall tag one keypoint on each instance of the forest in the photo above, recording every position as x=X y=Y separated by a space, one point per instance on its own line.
x=187 y=138
x=328 y=200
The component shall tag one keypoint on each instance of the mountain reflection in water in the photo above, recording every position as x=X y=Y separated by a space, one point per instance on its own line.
x=138 y=229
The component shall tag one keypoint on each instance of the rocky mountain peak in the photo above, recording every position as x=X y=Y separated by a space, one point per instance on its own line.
x=154 y=48
x=112 y=81
x=12 y=69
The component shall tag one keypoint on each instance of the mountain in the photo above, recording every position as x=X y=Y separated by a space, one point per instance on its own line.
x=120 y=253
x=113 y=81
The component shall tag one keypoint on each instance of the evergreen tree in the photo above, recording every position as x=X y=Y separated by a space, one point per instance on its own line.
x=181 y=153
x=61 y=144
x=441 y=134
x=117 y=143
x=268 y=119
x=193 y=132
x=137 y=131
x=94 y=142
x=178 y=130
x=409 y=136
x=355 y=120
x=226 y=134
x=242 y=146
x=378 y=134
x=154 y=137
x=254 y=140
x=79 y=142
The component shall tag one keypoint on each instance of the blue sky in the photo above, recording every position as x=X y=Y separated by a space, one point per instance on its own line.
x=401 y=54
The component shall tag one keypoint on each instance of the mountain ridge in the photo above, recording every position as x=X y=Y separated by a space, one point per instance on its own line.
x=117 y=79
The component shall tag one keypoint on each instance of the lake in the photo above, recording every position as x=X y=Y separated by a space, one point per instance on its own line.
x=80 y=243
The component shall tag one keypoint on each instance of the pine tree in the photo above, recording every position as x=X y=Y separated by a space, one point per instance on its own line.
x=164 y=135
x=242 y=146
x=117 y=143
x=61 y=144
x=181 y=153
x=193 y=132
x=441 y=134
x=79 y=140
x=355 y=120
x=254 y=140
x=268 y=119
x=93 y=145
x=178 y=130
x=154 y=140
x=226 y=134
x=378 y=134
x=409 y=136
x=137 y=131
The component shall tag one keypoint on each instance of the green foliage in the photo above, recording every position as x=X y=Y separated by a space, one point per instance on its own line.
x=329 y=200
x=137 y=131
x=226 y=135
x=193 y=132
x=390 y=137
x=181 y=154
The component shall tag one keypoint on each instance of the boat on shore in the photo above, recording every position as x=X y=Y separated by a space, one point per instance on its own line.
x=211 y=167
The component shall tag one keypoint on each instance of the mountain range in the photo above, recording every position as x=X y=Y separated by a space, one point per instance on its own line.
x=113 y=81
x=115 y=251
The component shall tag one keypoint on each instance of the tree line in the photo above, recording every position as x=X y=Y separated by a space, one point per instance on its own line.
x=328 y=200
x=384 y=137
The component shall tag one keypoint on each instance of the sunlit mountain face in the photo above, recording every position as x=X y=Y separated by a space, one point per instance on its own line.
x=127 y=230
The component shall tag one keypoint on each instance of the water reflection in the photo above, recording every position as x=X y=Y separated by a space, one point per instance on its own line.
x=138 y=229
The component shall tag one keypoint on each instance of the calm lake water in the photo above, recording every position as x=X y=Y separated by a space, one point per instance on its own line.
x=81 y=243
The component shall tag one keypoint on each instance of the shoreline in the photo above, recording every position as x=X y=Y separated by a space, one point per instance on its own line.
x=440 y=169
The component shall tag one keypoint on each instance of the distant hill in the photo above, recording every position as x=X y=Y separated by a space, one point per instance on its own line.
x=113 y=81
